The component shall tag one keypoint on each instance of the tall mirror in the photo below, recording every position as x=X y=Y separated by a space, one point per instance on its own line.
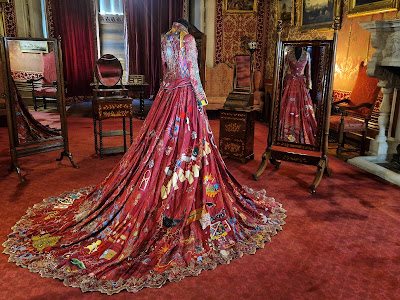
x=300 y=111
x=302 y=94
x=35 y=97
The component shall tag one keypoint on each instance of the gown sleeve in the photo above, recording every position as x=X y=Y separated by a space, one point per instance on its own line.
x=191 y=56
x=163 y=55
x=308 y=72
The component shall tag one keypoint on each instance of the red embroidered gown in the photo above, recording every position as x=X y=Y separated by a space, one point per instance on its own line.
x=169 y=209
x=297 y=120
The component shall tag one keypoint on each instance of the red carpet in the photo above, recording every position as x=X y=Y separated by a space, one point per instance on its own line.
x=342 y=243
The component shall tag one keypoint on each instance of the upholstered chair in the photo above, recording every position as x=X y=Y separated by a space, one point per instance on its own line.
x=355 y=113
x=47 y=92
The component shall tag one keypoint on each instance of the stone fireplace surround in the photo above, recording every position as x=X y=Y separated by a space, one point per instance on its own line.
x=385 y=65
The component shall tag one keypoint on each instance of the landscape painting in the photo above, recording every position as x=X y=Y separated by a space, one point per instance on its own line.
x=317 y=14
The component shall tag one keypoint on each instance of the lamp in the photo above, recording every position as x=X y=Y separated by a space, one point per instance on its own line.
x=252 y=45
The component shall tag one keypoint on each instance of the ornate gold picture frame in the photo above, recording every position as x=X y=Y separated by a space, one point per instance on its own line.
x=240 y=6
x=317 y=14
x=285 y=11
x=367 y=7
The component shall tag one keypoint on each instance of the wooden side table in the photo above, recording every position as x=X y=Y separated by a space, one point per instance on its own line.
x=111 y=103
x=138 y=87
x=236 y=138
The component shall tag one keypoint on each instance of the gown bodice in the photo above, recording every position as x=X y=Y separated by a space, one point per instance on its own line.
x=179 y=61
x=298 y=67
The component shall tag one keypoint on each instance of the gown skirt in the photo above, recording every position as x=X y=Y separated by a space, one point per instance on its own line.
x=167 y=210
x=297 y=118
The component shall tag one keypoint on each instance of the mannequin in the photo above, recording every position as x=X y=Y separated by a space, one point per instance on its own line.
x=297 y=52
x=183 y=22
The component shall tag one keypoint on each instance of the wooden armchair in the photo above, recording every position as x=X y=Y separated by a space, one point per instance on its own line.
x=47 y=92
x=355 y=113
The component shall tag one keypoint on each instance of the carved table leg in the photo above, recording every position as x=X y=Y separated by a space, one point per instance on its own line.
x=95 y=135
x=130 y=130
x=101 y=138
x=141 y=106
x=124 y=132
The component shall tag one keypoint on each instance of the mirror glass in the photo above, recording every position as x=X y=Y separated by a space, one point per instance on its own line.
x=302 y=93
x=243 y=72
x=108 y=70
x=33 y=88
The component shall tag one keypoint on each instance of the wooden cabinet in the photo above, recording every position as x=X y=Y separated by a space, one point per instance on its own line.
x=111 y=103
x=236 y=138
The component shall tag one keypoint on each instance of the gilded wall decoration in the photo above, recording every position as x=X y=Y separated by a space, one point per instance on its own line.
x=367 y=7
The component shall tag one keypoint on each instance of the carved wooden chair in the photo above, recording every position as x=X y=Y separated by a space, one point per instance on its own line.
x=355 y=113
x=47 y=92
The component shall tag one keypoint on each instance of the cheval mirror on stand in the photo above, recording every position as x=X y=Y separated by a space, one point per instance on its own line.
x=33 y=68
x=300 y=111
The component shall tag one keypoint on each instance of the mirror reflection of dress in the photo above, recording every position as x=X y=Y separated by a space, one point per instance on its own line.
x=168 y=209
x=29 y=129
x=297 y=123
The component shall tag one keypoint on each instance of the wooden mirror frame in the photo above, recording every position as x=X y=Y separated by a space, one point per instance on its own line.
x=97 y=72
x=320 y=86
x=18 y=149
x=285 y=151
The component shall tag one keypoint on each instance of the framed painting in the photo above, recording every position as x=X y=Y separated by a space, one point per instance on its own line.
x=240 y=6
x=367 y=7
x=34 y=46
x=318 y=14
x=285 y=11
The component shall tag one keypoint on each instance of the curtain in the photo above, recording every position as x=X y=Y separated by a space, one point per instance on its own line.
x=145 y=21
x=74 y=22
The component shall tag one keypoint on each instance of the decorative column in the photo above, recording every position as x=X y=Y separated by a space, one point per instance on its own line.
x=379 y=146
x=385 y=65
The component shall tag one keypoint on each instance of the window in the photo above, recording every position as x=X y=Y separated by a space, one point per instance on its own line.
x=111 y=30
x=44 y=23
x=111 y=7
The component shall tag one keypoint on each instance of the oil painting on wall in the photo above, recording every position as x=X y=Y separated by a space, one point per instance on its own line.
x=317 y=14
x=240 y=6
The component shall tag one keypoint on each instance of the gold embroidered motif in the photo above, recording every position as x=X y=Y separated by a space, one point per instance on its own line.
x=44 y=241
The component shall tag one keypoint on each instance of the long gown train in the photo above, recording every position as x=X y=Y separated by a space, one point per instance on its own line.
x=167 y=210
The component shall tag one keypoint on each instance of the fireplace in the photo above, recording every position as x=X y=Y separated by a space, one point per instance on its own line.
x=385 y=65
